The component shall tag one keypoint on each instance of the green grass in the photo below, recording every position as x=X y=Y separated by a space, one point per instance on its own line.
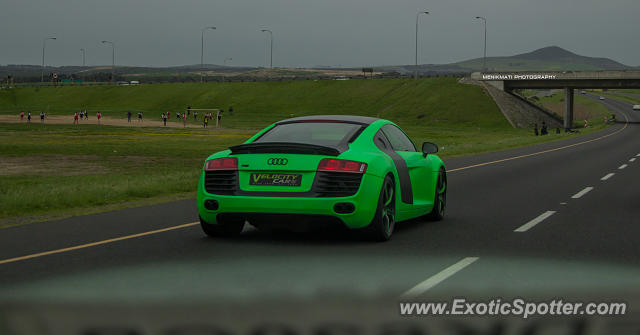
x=612 y=95
x=630 y=91
x=584 y=108
x=58 y=168
x=441 y=100
x=48 y=169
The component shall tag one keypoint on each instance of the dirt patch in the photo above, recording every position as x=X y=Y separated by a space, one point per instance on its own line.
x=51 y=165
x=105 y=120
x=73 y=165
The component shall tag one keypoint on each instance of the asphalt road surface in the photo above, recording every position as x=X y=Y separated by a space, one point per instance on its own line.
x=623 y=110
x=556 y=220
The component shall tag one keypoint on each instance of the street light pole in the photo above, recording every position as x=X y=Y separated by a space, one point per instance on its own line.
x=113 y=59
x=484 y=59
x=44 y=44
x=416 y=64
x=202 y=52
x=83 y=63
x=271 y=48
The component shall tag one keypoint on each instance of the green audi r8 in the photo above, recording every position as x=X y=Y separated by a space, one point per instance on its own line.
x=357 y=172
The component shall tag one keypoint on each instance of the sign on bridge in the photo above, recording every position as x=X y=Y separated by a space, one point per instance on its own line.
x=557 y=75
x=518 y=76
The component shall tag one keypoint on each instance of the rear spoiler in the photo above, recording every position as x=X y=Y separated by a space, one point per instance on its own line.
x=283 y=148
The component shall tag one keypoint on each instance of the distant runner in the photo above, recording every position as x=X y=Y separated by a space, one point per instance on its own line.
x=184 y=119
x=29 y=117
x=21 y=115
x=129 y=116
x=98 y=115
x=75 y=118
x=41 y=117
x=139 y=116
x=205 y=122
x=164 y=119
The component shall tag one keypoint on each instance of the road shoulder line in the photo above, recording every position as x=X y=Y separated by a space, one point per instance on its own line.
x=93 y=244
x=540 y=152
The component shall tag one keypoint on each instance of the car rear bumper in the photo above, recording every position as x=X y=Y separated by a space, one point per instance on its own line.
x=293 y=210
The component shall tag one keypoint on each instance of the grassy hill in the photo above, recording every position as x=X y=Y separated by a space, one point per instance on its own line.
x=55 y=170
x=428 y=102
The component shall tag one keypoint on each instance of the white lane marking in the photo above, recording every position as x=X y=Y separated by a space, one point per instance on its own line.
x=438 y=278
x=581 y=193
x=563 y=203
x=638 y=155
x=622 y=166
x=632 y=160
x=534 y=222
x=607 y=176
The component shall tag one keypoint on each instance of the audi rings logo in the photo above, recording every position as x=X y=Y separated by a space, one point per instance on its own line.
x=277 y=161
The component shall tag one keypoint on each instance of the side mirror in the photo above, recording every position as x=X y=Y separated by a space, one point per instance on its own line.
x=429 y=148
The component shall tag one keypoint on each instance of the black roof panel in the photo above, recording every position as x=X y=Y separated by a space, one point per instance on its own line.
x=346 y=118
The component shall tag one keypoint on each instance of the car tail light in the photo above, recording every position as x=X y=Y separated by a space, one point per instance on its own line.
x=227 y=163
x=341 y=165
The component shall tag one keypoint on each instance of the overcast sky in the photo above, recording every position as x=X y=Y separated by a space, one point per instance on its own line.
x=311 y=32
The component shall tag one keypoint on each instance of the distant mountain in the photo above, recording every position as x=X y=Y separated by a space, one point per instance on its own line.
x=551 y=58
x=546 y=59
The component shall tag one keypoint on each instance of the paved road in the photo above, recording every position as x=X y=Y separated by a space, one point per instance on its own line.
x=623 y=110
x=553 y=220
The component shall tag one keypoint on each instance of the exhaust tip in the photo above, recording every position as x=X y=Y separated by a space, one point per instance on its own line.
x=211 y=205
x=344 y=208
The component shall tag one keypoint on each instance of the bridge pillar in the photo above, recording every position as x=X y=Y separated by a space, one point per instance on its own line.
x=568 y=108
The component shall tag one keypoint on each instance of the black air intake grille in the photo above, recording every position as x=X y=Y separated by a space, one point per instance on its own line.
x=221 y=182
x=337 y=184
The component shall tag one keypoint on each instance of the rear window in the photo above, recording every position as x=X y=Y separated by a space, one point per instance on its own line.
x=330 y=134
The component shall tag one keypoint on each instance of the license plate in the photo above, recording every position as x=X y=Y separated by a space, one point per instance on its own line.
x=275 y=179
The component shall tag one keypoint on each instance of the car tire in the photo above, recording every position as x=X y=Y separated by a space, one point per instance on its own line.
x=440 y=197
x=381 y=227
x=222 y=229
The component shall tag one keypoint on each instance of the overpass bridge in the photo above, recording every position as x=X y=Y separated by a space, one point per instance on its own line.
x=567 y=80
